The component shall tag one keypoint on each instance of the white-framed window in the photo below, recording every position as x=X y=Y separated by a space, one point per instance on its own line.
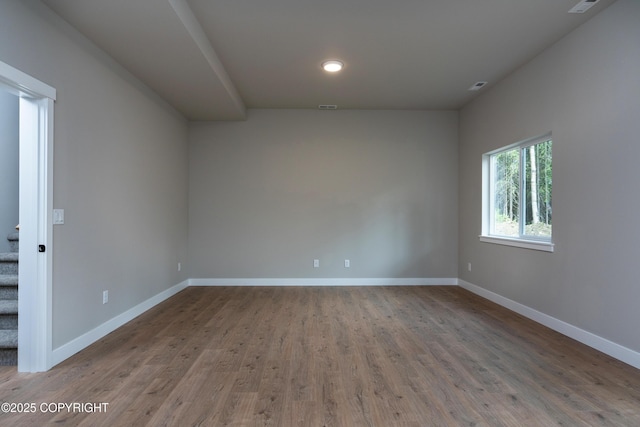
x=516 y=194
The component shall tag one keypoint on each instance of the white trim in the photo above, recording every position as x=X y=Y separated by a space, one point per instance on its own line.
x=30 y=342
x=36 y=192
x=72 y=347
x=22 y=84
x=614 y=350
x=520 y=243
x=76 y=345
x=325 y=282
x=35 y=321
x=488 y=209
x=46 y=226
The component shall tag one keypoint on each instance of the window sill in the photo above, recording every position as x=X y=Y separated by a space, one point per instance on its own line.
x=520 y=243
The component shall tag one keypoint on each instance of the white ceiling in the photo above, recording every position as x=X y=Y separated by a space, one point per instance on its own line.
x=211 y=59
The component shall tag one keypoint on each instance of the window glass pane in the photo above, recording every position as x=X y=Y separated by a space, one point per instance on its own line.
x=537 y=190
x=506 y=194
x=516 y=194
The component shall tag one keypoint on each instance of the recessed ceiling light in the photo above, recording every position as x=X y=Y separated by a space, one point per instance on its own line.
x=332 y=66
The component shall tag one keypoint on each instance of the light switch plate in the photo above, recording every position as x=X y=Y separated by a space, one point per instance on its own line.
x=58 y=216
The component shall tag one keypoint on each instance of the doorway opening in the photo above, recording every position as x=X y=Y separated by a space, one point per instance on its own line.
x=36 y=101
x=9 y=218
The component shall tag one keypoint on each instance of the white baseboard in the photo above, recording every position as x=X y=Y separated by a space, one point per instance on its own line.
x=614 y=350
x=72 y=347
x=326 y=282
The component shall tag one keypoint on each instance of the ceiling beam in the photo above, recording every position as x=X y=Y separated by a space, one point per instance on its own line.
x=193 y=27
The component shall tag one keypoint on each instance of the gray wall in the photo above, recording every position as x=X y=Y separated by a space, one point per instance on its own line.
x=120 y=173
x=270 y=194
x=9 y=144
x=584 y=89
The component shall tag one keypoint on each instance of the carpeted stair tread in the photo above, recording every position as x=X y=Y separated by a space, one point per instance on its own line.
x=9 y=321
x=8 y=263
x=8 y=338
x=8 y=256
x=9 y=306
x=9 y=302
x=8 y=280
x=8 y=293
x=14 y=241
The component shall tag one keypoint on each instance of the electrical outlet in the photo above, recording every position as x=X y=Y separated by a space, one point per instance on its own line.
x=347 y=263
x=316 y=263
x=469 y=266
x=105 y=297
x=179 y=266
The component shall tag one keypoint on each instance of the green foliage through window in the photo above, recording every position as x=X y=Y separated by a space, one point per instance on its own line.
x=521 y=182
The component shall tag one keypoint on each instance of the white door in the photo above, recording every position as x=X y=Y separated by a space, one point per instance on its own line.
x=36 y=185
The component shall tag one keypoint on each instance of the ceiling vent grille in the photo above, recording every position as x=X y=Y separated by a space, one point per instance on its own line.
x=583 y=6
x=477 y=85
x=327 y=107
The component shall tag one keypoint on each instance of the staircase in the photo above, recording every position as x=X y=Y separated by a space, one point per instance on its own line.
x=9 y=303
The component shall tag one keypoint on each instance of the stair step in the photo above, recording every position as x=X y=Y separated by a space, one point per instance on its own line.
x=9 y=257
x=14 y=241
x=8 y=268
x=8 y=292
x=9 y=302
x=8 y=306
x=8 y=280
x=9 y=321
x=8 y=287
x=9 y=357
x=9 y=263
x=8 y=338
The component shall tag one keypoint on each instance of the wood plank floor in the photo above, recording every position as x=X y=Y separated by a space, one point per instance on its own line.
x=331 y=356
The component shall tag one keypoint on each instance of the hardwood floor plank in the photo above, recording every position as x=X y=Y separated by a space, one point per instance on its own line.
x=301 y=414
x=270 y=397
x=334 y=356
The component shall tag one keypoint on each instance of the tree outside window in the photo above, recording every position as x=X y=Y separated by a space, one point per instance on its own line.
x=520 y=183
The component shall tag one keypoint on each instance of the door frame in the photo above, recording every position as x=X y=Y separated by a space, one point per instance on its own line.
x=36 y=195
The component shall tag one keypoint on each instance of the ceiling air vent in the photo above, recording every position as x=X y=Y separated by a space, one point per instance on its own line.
x=477 y=85
x=583 y=6
x=327 y=107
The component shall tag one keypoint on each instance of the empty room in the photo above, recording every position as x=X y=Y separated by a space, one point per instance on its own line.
x=339 y=213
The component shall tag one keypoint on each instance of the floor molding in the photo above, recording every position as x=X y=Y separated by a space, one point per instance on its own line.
x=610 y=348
x=326 y=282
x=74 y=346
x=614 y=350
